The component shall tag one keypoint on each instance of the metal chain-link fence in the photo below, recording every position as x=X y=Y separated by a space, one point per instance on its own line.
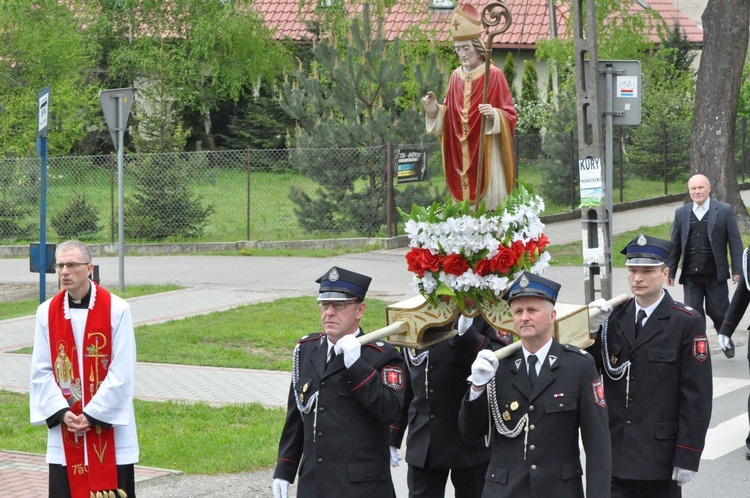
x=292 y=194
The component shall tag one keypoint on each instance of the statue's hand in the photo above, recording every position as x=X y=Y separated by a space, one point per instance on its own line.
x=487 y=111
x=430 y=104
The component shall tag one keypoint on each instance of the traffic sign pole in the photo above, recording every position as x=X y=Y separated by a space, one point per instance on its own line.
x=41 y=147
x=116 y=107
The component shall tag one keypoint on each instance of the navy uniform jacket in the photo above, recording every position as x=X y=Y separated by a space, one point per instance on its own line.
x=722 y=231
x=669 y=406
x=567 y=396
x=433 y=399
x=739 y=302
x=344 y=453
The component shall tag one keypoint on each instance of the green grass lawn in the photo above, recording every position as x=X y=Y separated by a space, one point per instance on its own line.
x=27 y=307
x=259 y=336
x=193 y=438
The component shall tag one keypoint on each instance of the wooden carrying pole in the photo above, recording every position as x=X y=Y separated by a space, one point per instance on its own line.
x=512 y=348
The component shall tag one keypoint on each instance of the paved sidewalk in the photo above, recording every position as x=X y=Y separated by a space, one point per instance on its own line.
x=222 y=282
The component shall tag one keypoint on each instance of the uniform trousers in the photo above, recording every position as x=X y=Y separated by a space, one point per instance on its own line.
x=630 y=488
x=59 y=486
x=697 y=288
x=429 y=483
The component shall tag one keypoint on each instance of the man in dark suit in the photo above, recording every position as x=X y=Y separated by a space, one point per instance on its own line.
x=436 y=384
x=655 y=357
x=702 y=231
x=540 y=397
x=736 y=309
x=342 y=398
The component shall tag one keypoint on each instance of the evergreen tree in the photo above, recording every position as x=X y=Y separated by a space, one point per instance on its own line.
x=532 y=114
x=509 y=69
x=356 y=96
x=163 y=205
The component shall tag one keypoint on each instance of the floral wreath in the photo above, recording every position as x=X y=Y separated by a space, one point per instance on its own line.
x=470 y=257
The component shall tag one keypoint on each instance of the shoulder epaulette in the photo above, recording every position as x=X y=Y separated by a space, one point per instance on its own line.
x=379 y=345
x=684 y=308
x=311 y=337
x=575 y=349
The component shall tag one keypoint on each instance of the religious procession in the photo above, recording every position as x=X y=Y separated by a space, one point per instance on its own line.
x=483 y=380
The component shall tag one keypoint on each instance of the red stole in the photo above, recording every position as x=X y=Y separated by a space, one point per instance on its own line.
x=461 y=131
x=101 y=472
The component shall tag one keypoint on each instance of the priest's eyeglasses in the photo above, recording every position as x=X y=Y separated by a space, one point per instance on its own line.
x=71 y=266
x=336 y=305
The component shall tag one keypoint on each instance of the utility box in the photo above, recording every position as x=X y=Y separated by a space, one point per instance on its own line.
x=49 y=257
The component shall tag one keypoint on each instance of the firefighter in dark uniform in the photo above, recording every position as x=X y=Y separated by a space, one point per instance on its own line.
x=436 y=384
x=534 y=402
x=342 y=399
x=657 y=374
x=732 y=318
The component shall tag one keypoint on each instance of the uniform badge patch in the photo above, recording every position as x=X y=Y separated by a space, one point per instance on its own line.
x=700 y=348
x=393 y=377
x=598 y=390
x=504 y=336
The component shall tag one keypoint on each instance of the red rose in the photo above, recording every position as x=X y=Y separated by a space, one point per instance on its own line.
x=429 y=261
x=483 y=268
x=454 y=264
x=542 y=242
x=421 y=260
x=518 y=249
x=504 y=261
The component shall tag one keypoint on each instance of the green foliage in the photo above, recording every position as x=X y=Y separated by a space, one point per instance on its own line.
x=509 y=70
x=620 y=35
x=555 y=165
x=78 y=220
x=663 y=140
x=529 y=83
x=257 y=122
x=43 y=45
x=533 y=114
x=19 y=192
x=187 y=66
x=163 y=205
x=351 y=99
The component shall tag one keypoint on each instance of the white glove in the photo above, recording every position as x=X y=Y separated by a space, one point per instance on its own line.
x=395 y=457
x=604 y=310
x=484 y=367
x=682 y=476
x=463 y=324
x=351 y=348
x=280 y=488
x=724 y=342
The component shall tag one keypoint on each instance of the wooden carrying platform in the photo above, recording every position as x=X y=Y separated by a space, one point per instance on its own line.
x=427 y=324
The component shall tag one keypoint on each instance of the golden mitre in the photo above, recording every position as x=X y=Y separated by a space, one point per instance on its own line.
x=466 y=23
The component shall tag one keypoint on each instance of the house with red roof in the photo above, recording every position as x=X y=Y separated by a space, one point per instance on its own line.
x=530 y=23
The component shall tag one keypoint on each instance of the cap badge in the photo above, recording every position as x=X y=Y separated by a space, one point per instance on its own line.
x=333 y=275
x=524 y=281
x=642 y=241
